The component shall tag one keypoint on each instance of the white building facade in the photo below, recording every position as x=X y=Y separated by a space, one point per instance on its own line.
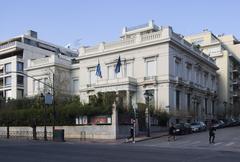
x=182 y=79
x=224 y=50
x=14 y=54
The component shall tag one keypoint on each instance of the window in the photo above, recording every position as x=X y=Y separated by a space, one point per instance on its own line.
x=213 y=107
x=188 y=101
x=75 y=87
x=19 y=66
x=206 y=106
x=213 y=82
x=8 y=94
x=151 y=68
x=8 y=81
x=177 y=69
x=20 y=93
x=35 y=86
x=177 y=99
x=205 y=79
x=197 y=77
x=8 y=68
x=188 y=74
x=20 y=80
x=110 y=72
x=129 y=70
x=120 y=74
x=93 y=77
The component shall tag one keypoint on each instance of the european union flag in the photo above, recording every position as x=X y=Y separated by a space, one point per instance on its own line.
x=118 y=66
x=98 y=71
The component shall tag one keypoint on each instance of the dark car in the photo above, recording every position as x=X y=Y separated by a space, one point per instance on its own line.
x=183 y=128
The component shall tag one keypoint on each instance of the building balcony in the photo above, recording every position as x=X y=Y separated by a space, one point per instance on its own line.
x=179 y=80
x=150 y=80
x=111 y=84
x=51 y=60
x=10 y=47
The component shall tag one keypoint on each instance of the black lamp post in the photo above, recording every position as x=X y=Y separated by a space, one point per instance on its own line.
x=225 y=109
x=148 y=97
x=45 y=127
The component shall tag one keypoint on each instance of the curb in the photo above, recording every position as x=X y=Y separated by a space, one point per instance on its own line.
x=147 y=138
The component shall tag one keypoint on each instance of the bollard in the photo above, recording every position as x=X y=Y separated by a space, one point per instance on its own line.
x=8 y=132
x=34 y=132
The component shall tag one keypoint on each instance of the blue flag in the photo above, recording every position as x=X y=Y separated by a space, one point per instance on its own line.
x=118 y=66
x=98 y=71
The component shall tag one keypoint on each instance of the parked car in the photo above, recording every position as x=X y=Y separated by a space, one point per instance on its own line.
x=183 y=128
x=198 y=126
x=221 y=124
x=203 y=126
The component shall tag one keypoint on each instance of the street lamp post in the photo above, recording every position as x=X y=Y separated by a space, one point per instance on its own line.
x=45 y=125
x=48 y=85
x=148 y=96
x=225 y=109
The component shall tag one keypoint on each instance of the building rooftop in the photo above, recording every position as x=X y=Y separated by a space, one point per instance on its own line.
x=31 y=38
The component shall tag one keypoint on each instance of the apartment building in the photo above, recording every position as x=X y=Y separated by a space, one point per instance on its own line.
x=181 y=78
x=14 y=54
x=225 y=50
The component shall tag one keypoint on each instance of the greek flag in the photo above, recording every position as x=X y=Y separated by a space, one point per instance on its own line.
x=98 y=71
x=118 y=66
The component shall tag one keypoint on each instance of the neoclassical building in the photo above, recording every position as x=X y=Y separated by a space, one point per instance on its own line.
x=182 y=79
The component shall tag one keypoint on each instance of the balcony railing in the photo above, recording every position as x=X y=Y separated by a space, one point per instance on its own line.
x=116 y=81
x=7 y=45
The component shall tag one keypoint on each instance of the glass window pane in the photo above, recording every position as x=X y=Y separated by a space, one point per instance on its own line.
x=8 y=94
x=8 y=67
x=110 y=72
x=129 y=70
x=8 y=80
x=151 y=68
x=75 y=85
x=93 y=77
x=19 y=66
x=20 y=80
x=20 y=93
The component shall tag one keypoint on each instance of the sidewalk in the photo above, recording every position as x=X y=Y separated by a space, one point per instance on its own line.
x=120 y=141
x=99 y=141
x=153 y=136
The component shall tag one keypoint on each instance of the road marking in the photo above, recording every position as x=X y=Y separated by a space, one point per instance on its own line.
x=194 y=143
x=219 y=143
x=229 y=144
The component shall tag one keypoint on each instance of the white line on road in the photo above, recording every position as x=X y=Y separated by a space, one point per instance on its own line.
x=219 y=143
x=229 y=144
x=194 y=143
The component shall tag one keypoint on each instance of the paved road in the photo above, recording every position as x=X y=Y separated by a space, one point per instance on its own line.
x=148 y=151
x=227 y=139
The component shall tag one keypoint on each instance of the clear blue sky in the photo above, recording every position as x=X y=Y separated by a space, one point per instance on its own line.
x=94 y=21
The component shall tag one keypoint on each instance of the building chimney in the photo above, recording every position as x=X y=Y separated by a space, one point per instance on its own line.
x=32 y=33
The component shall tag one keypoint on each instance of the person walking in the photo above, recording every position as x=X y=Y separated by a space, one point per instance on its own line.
x=131 y=130
x=212 y=130
x=172 y=131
